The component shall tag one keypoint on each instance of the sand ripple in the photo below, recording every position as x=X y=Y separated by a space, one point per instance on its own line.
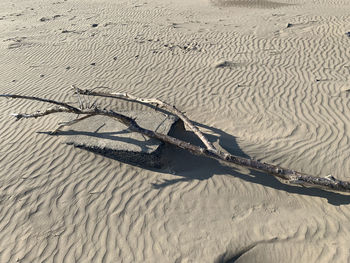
x=271 y=84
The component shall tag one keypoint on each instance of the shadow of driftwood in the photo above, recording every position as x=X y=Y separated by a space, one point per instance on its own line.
x=112 y=136
x=182 y=161
x=142 y=151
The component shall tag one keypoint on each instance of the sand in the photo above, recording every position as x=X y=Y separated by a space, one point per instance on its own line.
x=263 y=79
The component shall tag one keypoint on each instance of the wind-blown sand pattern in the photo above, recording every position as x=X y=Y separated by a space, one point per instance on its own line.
x=264 y=79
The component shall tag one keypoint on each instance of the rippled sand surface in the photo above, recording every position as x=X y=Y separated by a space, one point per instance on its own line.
x=268 y=80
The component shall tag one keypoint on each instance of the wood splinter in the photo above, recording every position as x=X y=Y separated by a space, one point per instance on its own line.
x=289 y=176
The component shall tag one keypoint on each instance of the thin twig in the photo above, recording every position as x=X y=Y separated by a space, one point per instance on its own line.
x=81 y=105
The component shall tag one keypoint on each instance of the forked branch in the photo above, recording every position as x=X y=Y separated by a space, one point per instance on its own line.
x=289 y=176
x=157 y=103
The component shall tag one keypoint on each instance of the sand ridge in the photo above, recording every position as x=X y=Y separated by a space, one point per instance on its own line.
x=280 y=96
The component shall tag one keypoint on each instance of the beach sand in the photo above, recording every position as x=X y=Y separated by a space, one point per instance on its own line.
x=262 y=79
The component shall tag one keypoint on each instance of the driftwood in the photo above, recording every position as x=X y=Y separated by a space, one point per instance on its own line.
x=289 y=176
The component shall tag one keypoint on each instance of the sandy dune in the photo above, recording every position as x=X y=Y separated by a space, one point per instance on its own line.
x=264 y=79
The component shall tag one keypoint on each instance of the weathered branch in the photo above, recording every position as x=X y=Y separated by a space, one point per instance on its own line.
x=290 y=176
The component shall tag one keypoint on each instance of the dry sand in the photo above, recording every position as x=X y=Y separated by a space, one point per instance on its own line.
x=264 y=79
